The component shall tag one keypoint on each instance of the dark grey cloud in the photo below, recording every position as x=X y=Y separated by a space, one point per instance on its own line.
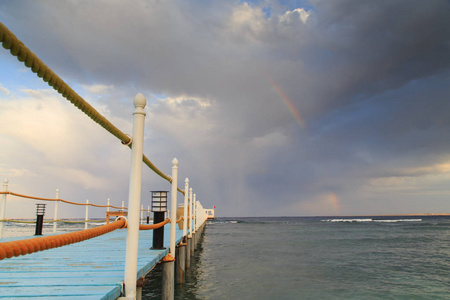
x=369 y=79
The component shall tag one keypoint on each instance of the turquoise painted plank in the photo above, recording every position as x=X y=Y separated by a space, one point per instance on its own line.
x=61 y=291
x=91 y=269
x=61 y=281
x=67 y=274
x=66 y=297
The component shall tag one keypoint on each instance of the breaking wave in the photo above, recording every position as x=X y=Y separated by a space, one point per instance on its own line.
x=372 y=220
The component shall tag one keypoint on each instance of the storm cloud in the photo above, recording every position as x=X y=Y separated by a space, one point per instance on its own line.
x=306 y=108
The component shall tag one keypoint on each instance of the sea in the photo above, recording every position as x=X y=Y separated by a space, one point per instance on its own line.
x=385 y=257
x=382 y=257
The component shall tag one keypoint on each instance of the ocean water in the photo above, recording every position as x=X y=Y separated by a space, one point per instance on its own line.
x=318 y=258
x=28 y=229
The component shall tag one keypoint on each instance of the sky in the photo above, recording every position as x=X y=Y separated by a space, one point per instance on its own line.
x=272 y=108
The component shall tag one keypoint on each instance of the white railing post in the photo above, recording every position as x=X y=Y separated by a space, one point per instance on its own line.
x=185 y=215
x=173 y=214
x=107 y=210
x=3 y=206
x=55 y=216
x=195 y=213
x=123 y=206
x=87 y=215
x=191 y=213
x=134 y=197
x=168 y=274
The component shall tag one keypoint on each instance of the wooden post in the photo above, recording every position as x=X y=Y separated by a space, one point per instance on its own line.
x=188 y=252
x=139 y=293
x=168 y=287
x=181 y=263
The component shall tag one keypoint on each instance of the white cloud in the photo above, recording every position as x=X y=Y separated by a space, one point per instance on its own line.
x=418 y=180
x=50 y=143
x=291 y=16
x=83 y=178
x=247 y=21
x=9 y=173
x=4 y=90
x=98 y=88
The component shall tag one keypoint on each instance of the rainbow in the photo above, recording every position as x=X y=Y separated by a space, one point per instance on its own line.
x=288 y=102
x=334 y=201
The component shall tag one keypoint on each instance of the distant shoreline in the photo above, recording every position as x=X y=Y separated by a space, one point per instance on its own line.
x=401 y=215
x=351 y=216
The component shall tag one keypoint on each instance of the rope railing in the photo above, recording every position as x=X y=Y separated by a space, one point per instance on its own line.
x=27 y=246
x=17 y=48
x=151 y=226
x=154 y=226
x=60 y=200
x=24 y=54
x=52 y=221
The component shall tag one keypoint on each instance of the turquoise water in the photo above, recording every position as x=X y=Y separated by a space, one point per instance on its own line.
x=319 y=258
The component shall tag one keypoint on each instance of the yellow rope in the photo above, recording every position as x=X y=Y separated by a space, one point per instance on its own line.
x=17 y=221
x=97 y=221
x=74 y=222
x=25 y=55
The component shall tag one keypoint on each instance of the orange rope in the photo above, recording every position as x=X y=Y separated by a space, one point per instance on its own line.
x=116 y=207
x=62 y=200
x=96 y=205
x=22 y=247
x=180 y=219
x=29 y=197
x=154 y=226
x=74 y=203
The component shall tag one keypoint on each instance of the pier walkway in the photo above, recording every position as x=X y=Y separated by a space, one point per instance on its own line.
x=92 y=269
x=101 y=267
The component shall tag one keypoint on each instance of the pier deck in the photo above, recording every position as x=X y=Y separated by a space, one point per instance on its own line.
x=92 y=269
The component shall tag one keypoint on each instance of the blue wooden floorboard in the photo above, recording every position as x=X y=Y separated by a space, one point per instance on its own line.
x=92 y=269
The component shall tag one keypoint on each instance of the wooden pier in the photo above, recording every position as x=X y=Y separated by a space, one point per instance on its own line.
x=101 y=267
x=92 y=269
